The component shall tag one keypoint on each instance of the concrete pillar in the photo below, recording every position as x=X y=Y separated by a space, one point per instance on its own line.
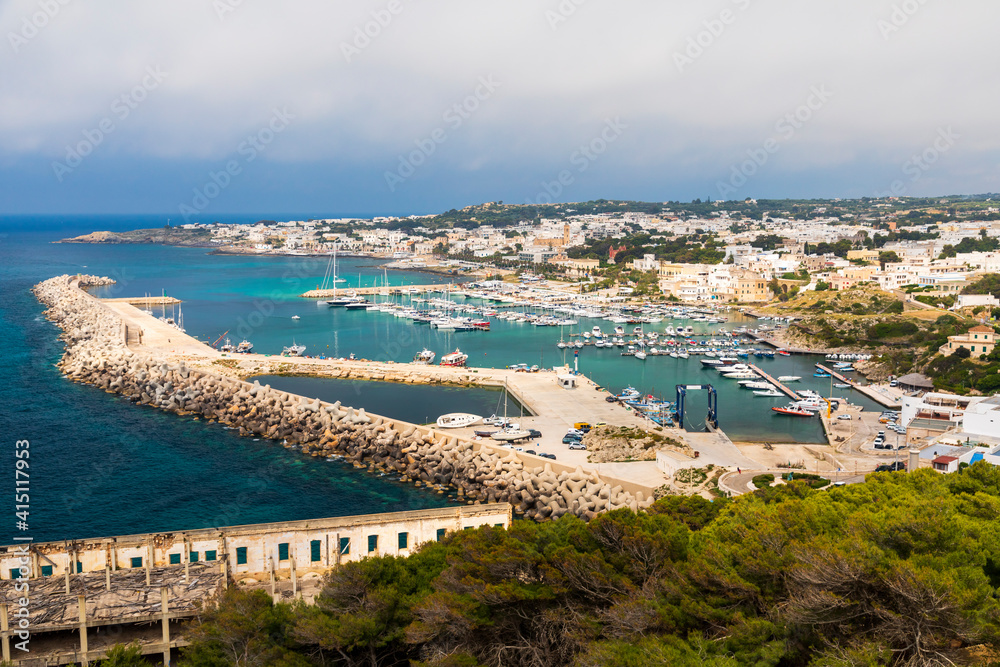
x=295 y=580
x=5 y=626
x=67 y=577
x=165 y=621
x=107 y=577
x=336 y=545
x=84 y=649
x=187 y=570
x=270 y=567
x=914 y=461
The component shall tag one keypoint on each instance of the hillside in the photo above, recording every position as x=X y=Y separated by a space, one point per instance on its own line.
x=902 y=570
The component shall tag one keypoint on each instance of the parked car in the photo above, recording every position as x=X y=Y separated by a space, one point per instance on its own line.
x=530 y=451
x=570 y=440
x=534 y=434
x=582 y=425
x=891 y=467
x=546 y=455
x=844 y=417
x=577 y=445
x=894 y=383
x=575 y=431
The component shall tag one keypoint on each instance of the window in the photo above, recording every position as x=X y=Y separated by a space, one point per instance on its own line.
x=175 y=559
x=283 y=551
x=136 y=562
x=194 y=557
x=314 y=551
x=241 y=555
x=209 y=555
x=47 y=569
x=15 y=573
x=404 y=540
x=79 y=567
x=499 y=525
x=441 y=533
x=345 y=546
x=372 y=543
x=468 y=528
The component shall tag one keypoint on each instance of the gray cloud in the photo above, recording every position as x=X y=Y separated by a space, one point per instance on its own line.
x=562 y=77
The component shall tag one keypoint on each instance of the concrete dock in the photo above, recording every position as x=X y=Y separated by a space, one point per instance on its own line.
x=869 y=391
x=553 y=409
x=372 y=291
x=781 y=387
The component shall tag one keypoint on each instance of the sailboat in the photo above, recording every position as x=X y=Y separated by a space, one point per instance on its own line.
x=337 y=301
x=510 y=432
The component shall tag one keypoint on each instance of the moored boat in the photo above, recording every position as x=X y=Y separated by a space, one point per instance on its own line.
x=425 y=356
x=457 y=420
x=795 y=412
x=456 y=358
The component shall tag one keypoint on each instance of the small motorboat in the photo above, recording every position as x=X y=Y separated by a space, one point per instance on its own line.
x=784 y=353
x=842 y=385
x=296 y=317
x=769 y=393
x=457 y=420
x=795 y=412
x=789 y=378
x=425 y=357
x=821 y=375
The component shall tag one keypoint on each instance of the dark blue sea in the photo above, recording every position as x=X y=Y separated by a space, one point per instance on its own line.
x=103 y=466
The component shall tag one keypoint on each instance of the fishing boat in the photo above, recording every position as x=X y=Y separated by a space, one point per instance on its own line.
x=456 y=358
x=227 y=347
x=293 y=350
x=789 y=378
x=457 y=420
x=784 y=353
x=245 y=347
x=795 y=412
x=296 y=317
x=425 y=357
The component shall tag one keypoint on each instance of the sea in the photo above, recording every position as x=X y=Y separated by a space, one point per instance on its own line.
x=101 y=466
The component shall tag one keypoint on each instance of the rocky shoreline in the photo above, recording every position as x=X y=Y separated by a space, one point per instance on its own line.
x=96 y=354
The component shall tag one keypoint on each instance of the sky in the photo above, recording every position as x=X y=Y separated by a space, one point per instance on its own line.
x=195 y=109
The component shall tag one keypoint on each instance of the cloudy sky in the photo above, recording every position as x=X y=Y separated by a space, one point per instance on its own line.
x=216 y=106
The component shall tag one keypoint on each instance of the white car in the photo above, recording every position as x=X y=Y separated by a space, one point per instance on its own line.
x=578 y=445
x=844 y=417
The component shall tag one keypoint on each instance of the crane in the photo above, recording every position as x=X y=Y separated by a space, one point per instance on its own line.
x=220 y=338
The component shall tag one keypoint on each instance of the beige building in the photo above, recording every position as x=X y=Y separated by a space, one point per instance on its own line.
x=979 y=340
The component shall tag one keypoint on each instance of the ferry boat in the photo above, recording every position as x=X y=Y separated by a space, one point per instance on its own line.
x=425 y=356
x=456 y=358
x=457 y=420
x=795 y=412
x=245 y=347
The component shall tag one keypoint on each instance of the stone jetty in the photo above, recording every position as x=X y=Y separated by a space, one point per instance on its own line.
x=96 y=354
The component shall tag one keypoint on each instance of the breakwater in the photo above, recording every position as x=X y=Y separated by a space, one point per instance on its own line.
x=97 y=354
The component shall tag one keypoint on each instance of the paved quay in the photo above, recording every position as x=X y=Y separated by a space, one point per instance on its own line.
x=553 y=409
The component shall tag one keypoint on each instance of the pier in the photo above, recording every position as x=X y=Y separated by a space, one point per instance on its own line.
x=885 y=401
x=145 y=300
x=781 y=387
x=383 y=290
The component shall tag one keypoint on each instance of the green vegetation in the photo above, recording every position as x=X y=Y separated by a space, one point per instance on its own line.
x=814 y=481
x=761 y=481
x=983 y=244
x=901 y=570
x=124 y=655
x=694 y=249
x=988 y=284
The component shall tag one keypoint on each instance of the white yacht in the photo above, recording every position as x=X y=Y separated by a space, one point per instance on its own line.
x=457 y=420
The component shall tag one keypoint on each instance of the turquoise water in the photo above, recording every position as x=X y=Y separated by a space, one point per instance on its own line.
x=103 y=466
x=417 y=404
